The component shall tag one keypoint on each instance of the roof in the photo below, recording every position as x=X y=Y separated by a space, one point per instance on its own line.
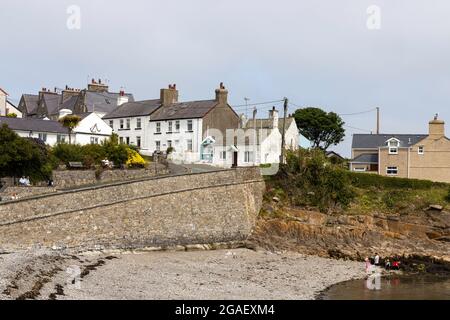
x=31 y=102
x=52 y=102
x=103 y=101
x=184 y=110
x=374 y=141
x=333 y=153
x=268 y=123
x=30 y=124
x=6 y=93
x=366 y=158
x=69 y=103
x=134 y=109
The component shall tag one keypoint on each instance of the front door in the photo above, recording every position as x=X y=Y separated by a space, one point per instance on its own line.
x=235 y=159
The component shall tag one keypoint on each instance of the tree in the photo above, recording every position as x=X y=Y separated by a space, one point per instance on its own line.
x=23 y=156
x=70 y=122
x=321 y=128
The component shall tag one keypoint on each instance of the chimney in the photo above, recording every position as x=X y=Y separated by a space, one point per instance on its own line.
x=437 y=128
x=170 y=95
x=69 y=92
x=97 y=86
x=122 y=98
x=273 y=115
x=45 y=91
x=243 y=120
x=222 y=94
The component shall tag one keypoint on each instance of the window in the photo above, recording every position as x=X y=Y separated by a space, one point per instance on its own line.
x=360 y=169
x=189 y=125
x=111 y=124
x=138 y=142
x=121 y=140
x=43 y=136
x=248 y=156
x=177 y=126
x=223 y=155
x=169 y=143
x=158 y=145
x=127 y=139
x=392 y=171
x=138 y=124
x=393 y=146
x=189 y=145
x=158 y=127
x=121 y=124
x=60 y=138
x=94 y=140
x=421 y=150
x=128 y=124
x=169 y=130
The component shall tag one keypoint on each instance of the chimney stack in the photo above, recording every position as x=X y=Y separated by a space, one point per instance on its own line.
x=273 y=115
x=222 y=94
x=122 y=98
x=69 y=92
x=170 y=95
x=97 y=86
x=437 y=128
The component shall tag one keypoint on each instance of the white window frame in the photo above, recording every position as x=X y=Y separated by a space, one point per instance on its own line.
x=61 y=138
x=223 y=155
x=94 y=140
x=190 y=123
x=138 y=123
x=248 y=156
x=128 y=124
x=111 y=124
x=169 y=127
x=158 y=127
x=138 y=141
x=122 y=124
x=360 y=169
x=42 y=136
x=177 y=126
x=392 y=171
x=421 y=150
x=189 y=145
x=158 y=145
x=393 y=145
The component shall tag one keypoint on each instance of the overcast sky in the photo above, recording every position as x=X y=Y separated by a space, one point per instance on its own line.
x=317 y=53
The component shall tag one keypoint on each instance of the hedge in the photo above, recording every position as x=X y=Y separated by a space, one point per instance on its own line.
x=364 y=180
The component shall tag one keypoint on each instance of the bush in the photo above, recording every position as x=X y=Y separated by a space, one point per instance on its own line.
x=68 y=153
x=310 y=179
x=447 y=198
x=135 y=160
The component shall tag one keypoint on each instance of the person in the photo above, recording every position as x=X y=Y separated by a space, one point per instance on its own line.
x=27 y=181
x=376 y=259
x=50 y=183
x=396 y=265
x=22 y=181
x=368 y=264
x=387 y=264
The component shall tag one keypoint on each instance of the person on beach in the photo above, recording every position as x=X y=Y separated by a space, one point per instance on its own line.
x=368 y=265
x=387 y=264
x=376 y=259
x=396 y=265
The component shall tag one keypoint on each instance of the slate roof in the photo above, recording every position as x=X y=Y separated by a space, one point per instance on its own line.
x=184 y=110
x=52 y=102
x=366 y=158
x=134 y=109
x=267 y=123
x=374 y=141
x=69 y=103
x=103 y=101
x=30 y=124
x=31 y=102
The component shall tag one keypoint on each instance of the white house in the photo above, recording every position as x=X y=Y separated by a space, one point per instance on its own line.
x=91 y=129
x=257 y=142
x=160 y=124
x=6 y=107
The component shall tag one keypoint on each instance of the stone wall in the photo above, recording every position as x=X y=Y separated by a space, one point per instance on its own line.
x=22 y=192
x=65 y=179
x=199 y=208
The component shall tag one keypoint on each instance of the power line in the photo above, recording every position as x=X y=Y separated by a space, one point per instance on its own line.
x=257 y=104
x=357 y=113
x=356 y=128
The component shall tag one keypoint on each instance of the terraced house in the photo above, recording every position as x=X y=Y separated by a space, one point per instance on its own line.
x=418 y=156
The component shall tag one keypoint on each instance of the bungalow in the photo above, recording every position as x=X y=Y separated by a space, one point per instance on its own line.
x=6 y=106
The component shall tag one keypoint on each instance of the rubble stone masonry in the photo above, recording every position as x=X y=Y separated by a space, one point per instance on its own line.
x=199 y=208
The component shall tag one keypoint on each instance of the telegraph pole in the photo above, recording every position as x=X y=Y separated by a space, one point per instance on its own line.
x=378 y=120
x=255 y=142
x=283 y=142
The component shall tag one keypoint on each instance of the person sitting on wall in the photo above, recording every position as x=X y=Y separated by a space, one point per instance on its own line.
x=22 y=181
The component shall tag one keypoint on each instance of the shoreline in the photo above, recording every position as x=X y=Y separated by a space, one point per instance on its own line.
x=222 y=274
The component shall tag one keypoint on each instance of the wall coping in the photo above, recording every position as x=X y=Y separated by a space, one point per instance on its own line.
x=120 y=183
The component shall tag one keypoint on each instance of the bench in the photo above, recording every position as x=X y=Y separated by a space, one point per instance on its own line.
x=75 y=165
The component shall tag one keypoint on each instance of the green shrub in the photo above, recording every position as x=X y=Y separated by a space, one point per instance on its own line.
x=447 y=197
x=365 y=180
x=68 y=152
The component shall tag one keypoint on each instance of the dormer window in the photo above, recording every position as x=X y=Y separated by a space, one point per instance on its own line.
x=421 y=150
x=393 y=145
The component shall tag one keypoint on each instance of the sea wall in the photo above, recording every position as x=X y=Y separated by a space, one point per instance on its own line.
x=199 y=208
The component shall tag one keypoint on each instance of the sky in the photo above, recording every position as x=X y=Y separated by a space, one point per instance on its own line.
x=342 y=56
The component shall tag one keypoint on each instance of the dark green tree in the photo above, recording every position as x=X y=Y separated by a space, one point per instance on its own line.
x=321 y=128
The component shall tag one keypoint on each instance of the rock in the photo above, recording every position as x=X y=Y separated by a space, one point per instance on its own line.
x=435 y=207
